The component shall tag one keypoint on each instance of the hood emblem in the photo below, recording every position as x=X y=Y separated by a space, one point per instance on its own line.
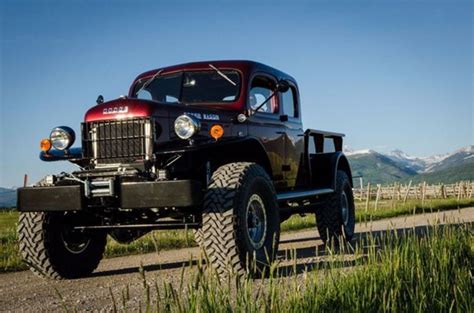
x=115 y=110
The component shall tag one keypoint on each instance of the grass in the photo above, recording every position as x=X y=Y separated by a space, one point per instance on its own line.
x=428 y=271
x=10 y=259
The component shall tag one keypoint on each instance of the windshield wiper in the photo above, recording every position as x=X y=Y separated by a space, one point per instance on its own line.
x=149 y=81
x=223 y=75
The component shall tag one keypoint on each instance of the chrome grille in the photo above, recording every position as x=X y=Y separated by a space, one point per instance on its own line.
x=118 y=141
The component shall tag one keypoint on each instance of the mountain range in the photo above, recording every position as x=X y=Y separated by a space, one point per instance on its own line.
x=7 y=197
x=397 y=166
x=380 y=168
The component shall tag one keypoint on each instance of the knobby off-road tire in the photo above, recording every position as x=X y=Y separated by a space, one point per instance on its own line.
x=52 y=250
x=336 y=218
x=198 y=236
x=241 y=224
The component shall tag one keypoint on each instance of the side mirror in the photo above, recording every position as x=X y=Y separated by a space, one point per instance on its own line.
x=284 y=118
x=283 y=86
x=100 y=99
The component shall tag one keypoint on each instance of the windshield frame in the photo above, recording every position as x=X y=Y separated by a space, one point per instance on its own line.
x=240 y=86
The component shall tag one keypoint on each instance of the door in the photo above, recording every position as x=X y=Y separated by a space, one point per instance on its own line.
x=265 y=124
x=294 y=134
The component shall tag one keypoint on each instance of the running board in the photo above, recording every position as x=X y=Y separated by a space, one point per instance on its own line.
x=297 y=194
x=141 y=226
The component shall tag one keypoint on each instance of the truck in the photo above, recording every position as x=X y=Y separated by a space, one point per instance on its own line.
x=217 y=147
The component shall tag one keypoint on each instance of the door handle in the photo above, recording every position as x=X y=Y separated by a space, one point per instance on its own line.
x=280 y=133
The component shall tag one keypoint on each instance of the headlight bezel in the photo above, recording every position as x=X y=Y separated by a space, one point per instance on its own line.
x=68 y=137
x=193 y=123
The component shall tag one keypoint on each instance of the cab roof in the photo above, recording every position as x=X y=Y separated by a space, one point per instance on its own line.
x=245 y=66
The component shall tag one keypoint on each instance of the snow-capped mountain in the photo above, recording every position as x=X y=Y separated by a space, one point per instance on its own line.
x=420 y=164
x=398 y=165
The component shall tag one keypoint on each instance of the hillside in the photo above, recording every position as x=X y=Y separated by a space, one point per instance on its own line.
x=7 y=198
x=378 y=169
x=448 y=175
x=397 y=166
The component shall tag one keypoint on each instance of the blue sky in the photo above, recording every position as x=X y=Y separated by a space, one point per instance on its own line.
x=389 y=74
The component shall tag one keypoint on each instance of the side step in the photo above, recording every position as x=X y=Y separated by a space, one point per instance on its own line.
x=162 y=225
x=301 y=194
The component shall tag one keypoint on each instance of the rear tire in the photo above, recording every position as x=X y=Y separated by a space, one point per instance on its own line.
x=336 y=218
x=52 y=249
x=241 y=224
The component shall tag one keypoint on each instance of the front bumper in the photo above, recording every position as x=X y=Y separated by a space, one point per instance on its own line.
x=131 y=195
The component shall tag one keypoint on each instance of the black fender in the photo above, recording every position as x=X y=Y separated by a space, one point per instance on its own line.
x=61 y=155
x=247 y=149
x=340 y=162
x=235 y=149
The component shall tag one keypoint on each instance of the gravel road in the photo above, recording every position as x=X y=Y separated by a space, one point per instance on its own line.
x=23 y=291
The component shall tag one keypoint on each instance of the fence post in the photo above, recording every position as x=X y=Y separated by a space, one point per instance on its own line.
x=407 y=192
x=379 y=187
x=459 y=191
x=393 y=195
x=423 y=192
x=368 y=197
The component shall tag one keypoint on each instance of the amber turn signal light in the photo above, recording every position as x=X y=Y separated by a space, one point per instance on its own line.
x=45 y=145
x=217 y=131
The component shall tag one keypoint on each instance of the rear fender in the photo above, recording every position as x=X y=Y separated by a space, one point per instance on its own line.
x=339 y=162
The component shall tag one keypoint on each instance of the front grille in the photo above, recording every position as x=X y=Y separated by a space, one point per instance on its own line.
x=118 y=141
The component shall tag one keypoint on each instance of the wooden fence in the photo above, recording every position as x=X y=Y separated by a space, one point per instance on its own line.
x=403 y=192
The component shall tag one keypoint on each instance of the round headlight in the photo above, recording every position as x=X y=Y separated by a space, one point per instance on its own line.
x=185 y=126
x=62 y=137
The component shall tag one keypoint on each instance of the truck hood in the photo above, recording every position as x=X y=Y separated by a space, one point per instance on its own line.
x=120 y=109
x=130 y=108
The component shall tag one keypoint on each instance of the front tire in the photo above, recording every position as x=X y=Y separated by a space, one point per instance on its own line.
x=336 y=218
x=241 y=224
x=51 y=248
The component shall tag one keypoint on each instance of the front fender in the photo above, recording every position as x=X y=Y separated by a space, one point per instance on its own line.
x=61 y=155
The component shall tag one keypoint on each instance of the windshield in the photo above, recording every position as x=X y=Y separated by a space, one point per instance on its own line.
x=192 y=87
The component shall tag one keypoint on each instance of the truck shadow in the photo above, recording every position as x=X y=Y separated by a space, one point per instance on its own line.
x=146 y=268
x=298 y=260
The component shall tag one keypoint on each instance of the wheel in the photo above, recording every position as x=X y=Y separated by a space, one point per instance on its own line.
x=51 y=248
x=241 y=224
x=337 y=217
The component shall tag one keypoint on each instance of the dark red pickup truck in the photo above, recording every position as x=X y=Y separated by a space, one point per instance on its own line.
x=216 y=146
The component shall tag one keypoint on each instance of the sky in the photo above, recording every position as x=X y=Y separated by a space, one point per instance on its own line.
x=388 y=74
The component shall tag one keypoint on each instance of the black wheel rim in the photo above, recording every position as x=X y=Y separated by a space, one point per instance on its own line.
x=256 y=221
x=344 y=208
x=75 y=241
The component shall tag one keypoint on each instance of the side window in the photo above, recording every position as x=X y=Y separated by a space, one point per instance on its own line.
x=262 y=87
x=329 y=145
x=289 y=103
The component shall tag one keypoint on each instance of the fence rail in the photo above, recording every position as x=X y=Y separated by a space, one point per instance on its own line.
x=404 y=192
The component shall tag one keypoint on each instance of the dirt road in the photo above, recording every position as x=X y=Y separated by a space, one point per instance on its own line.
x=23 y=291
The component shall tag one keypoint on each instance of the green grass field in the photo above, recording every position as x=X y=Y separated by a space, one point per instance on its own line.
x=425 y=271
x=172 y=239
